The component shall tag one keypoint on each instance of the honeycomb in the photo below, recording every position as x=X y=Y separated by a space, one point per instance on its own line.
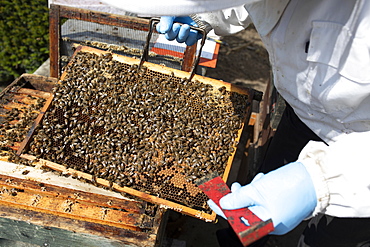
x=139 y=128
x=17 y=114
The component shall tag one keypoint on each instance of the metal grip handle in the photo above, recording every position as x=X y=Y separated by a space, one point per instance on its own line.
x=154 y=21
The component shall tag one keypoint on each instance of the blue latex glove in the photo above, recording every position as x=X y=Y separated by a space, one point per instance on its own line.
x=285 y=195
x=182 y=33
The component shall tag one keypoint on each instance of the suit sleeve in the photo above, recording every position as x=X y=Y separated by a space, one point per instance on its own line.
x=341 y=174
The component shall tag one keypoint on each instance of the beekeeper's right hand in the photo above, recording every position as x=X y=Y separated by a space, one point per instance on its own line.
x=182 y=33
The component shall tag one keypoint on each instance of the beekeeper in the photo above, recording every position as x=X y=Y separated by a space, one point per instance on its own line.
x=318 y=164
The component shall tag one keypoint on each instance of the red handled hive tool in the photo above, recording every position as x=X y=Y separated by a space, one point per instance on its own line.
x=245 y=224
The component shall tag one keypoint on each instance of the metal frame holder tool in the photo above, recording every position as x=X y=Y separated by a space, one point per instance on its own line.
x=245 y=224
x=154 y=21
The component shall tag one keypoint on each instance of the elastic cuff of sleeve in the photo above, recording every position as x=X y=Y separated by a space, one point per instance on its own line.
x=311 y=159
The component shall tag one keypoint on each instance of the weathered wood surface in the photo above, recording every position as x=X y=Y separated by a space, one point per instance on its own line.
x=44 y=229
x=35 y=93
x=73 y=203
x=73 y=212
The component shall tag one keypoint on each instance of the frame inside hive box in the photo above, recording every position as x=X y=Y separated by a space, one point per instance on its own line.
x=148 y=132
x=20 y=104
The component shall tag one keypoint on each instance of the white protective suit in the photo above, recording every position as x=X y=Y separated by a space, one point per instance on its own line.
x=320 y=56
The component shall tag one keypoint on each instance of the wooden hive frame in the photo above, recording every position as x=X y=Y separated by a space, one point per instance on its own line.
x=145 y=196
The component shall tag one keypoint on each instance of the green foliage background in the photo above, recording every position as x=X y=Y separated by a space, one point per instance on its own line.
x=24 y=37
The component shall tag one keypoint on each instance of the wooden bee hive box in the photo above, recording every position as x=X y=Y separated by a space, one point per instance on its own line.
x=54 y=209
x=148 y=132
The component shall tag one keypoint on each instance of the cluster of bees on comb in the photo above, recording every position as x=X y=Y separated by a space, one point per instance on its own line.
x=16 y=123
x=139 y=128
